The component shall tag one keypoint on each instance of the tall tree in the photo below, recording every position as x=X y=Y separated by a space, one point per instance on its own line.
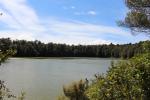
x=138 y=17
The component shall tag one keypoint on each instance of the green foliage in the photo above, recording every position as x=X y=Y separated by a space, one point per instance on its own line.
x=137 y=3
x=146 y=47
x=39 y=49
x=5 y=54
x=138 y=17
x=126 y=80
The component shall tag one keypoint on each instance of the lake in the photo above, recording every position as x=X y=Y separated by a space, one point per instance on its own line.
x=43 y=79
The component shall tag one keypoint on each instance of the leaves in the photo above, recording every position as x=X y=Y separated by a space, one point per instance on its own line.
x=138 y=17
x=126 y=80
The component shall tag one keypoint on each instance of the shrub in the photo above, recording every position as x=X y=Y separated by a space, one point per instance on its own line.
x=126 y=80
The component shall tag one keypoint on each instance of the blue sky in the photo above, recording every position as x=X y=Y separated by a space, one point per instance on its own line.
x=65 y=21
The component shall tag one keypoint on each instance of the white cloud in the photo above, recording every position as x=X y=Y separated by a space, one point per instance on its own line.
x=92 y=12
x=22 y=22
x=68 y=7
x=17 y=13
x=17 y=35
x=73 y=7
x=86 y=29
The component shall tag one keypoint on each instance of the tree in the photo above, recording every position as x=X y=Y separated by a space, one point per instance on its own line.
x=138 y=17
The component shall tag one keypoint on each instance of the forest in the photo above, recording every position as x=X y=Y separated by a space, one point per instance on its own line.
x=38 y=49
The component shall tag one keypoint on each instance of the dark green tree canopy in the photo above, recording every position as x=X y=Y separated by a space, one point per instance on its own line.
x=137 y=3
x=138 y=17
x=38 y=49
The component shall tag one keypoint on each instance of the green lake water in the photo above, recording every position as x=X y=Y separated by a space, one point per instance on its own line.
x=43 y=79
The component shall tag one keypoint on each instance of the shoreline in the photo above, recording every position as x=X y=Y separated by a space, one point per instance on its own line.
x=62 y=58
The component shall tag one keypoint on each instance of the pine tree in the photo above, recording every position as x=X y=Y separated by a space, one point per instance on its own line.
x=138 y=16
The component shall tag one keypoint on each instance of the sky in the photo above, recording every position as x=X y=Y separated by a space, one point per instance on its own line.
x=66 y=21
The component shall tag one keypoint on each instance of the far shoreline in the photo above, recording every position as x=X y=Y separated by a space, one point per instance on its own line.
x=111 y=58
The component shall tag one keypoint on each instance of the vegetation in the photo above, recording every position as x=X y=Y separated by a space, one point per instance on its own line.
x=138 y=17
x=38 y=49
x=76 y=91
x=128 y=80
x=5 y=54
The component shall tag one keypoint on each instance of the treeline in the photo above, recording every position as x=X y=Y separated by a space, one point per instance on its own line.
x=38 y=49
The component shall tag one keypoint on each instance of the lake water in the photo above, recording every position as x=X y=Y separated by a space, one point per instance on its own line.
x=43 y=79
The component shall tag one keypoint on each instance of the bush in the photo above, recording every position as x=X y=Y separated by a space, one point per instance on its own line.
x=75 y=91
x=126 y=80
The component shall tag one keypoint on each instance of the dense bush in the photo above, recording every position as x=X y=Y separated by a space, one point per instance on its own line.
x=126 y=80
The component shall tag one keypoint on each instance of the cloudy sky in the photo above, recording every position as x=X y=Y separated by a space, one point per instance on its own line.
x=65 y=21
